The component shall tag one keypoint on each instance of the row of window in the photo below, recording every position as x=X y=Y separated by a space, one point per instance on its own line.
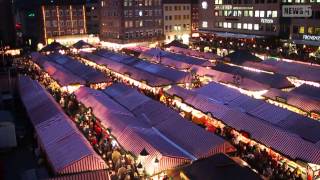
x=301 y=1
x=177 y=27
x=247 y=13
x=68 y=32
x=62 y=23
x=176 y=8
x=62 y=13
x=142 y=23
x=139 y=13
x=245 y=26
x=177 y=17
x=244 y=1
x=142 y=2
x=143 y=34
x=306 y=30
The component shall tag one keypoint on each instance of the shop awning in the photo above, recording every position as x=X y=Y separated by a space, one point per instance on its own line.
x=305 y=42
x=66 y=148
x=265 y=123
x=237 y=36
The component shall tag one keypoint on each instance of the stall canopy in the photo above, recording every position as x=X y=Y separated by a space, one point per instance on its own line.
x=176 y=43
x=278 y=81
x=178 y=61
x=167 y=120
x=132 y=72
x=190 y=52
x=241 y=56
x=301 y=101
x=216 y=167
x=82 y=45
x=263 y=110
x=310 y=91
x=150 y=128
x=7 y=130
x=96 y=175
x=229 y=78
x=304 y=71
x=287 y=133
x=176 y=76
x=63 y=76
x=66 y=148
x=53 y=47
x=90 y=75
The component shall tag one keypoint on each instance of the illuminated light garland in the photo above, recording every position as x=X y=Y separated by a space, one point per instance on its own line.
x=250 y=68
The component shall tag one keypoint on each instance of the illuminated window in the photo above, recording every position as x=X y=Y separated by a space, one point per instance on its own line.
x=250 y=26
x=301 y=29
x=204 y=5
x=250 y=13
x=256 y=13
x=239 y=25
x=274 y=14
x=256 y=27
x=269 y=14
x=245 y=26
x=317 y=30
x=204 y=24
x=310 y=30
x=261 y=13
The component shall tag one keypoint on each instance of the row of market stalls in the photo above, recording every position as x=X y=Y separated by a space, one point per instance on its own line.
x=178 y=61
x=285 y=135
x=190 y=52
x=79 y=46
x=253 y=84
x=69 y=74
x=136 y=71
x=138 y=123
x=299 y=100
x=298 y=73
x=66 y=149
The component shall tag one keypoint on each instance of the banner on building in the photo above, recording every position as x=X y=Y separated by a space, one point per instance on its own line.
x=296 y=11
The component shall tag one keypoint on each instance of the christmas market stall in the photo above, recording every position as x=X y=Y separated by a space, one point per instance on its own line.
x=54 y=47
x=296 y=102
x=297 y=72
x=176 y=76
x=274 y=80
x=174 y=60
x=68 y=75
x=282 y=136
x=65 y=148
x=189 y=52
x=82 y=46
x=161 y=147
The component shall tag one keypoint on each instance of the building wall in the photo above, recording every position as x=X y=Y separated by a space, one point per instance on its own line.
x=257 y=17
x=194 y=17
x=63 y=20
x=7 y=30
x=177 y=22
x=92 y=17
x=129 y=21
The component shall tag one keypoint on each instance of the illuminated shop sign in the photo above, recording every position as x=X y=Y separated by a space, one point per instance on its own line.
x=267 y=21
x=312 y=38
x=223 y=7
x=296 y=11
x=229 y=7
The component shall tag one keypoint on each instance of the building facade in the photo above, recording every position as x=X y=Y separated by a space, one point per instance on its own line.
x=92 y=16
x=286 y=27
x=194 y=16
x=63 y=20
x=7 y=25
x=131 y=21
x=177 y=20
